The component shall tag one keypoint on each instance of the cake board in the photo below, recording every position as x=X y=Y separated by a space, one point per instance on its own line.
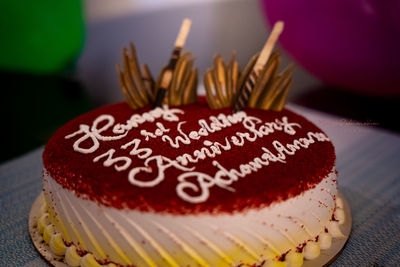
x=326 y=257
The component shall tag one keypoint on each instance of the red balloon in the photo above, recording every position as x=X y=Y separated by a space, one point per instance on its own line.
x=352 y=44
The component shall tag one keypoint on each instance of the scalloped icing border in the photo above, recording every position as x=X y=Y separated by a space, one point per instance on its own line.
x=53 y=248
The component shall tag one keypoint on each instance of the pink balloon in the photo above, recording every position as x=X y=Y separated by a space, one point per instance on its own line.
x=352 y=44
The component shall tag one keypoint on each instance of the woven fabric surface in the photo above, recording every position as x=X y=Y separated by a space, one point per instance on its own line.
x=368 y=162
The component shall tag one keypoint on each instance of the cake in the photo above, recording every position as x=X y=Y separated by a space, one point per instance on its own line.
x=189 y=186
x=167 y=179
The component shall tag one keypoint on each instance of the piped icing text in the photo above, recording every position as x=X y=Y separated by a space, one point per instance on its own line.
x=193 y=186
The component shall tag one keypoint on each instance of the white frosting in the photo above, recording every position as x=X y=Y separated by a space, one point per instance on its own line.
x=334 y=230
x=339 y=203
x=311 y=250
x=339 y=215
x=325 y=240
x=193 y=186
x=146 y=238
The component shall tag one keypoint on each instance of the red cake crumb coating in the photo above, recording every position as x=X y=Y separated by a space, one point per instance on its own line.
x=276 y=182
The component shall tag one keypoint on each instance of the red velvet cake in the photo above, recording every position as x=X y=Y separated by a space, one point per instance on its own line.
x=189 y=186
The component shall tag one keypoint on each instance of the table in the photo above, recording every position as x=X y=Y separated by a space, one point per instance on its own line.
x=369 y=176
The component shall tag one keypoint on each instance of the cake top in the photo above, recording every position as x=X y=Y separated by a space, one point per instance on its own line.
x=188 y=159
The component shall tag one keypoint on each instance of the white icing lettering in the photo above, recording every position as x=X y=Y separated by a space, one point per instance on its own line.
x=158 y=132
x=193 y=186
x=183 y=138
x=162 y=163
x=87 y=134
x=110 y=160
x=122 y=129
x=205 y=181
x=142 y=153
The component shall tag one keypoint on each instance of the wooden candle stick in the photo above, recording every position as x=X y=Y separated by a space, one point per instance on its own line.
x=258 y=66
x=168 y=73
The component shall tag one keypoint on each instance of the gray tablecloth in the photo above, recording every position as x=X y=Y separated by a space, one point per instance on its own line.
x=368 y=161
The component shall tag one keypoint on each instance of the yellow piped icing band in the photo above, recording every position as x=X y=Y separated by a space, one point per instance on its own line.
x=57 y=244
x=135 y=246
x=70 y=223
x=164 y=254
x=117 y=249
x=71 y=256
x=211 y=245
x=89 y=233
x=186 y=248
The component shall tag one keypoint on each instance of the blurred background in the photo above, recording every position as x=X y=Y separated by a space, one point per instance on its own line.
x=57 y=58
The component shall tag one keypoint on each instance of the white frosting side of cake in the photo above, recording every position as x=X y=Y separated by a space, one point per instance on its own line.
x=161 y=239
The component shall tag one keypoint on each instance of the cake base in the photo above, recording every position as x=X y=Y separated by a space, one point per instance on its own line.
x=325 y=258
